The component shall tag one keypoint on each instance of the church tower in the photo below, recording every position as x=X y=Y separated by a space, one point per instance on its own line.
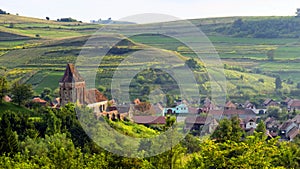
x=72 y=86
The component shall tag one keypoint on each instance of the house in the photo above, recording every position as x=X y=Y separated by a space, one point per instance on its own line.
x=203 y=124
x=72 y=88
x=296 y=120
x=179 y=109
x=248 y=105
x=294 y=105
x=158 y=109
x=230 y=106
x=288 y=130
x=39 y=101
x=7 y=99
x=286 y=102
x=150 y=120
x=112 y=115
x=272 y=123
x=243 y=114
x=293 y=133
x=270 y=102
x=298 y=12
x=207 y=105
x=250 y=123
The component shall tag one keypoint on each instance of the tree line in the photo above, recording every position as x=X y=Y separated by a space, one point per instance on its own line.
x=56 y=139
x=287 y=27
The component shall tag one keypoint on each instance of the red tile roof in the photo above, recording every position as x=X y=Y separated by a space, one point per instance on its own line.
x=232 y=112
x=71 y=74
x=149 y=119
x=38 y=100
x=295 y=103
x=7 y=99
x=94 y=96
x=287 y=100
x=198 y=120
x=229 y=104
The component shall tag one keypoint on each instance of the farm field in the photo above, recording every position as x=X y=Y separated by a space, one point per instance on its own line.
x=42 y=48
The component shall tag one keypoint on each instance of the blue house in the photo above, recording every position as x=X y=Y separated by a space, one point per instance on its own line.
x=179 y=109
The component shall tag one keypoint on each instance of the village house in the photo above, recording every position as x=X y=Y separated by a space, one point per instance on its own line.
x=243 y=114
x=154 y=121
x=7 y=99
x=230 y=106
x=296 y=120
x=293 y=105
x=207 y=105
x=286 y=102
x=39 y=101
x=197 y=123
x=250 y=123
x=272 y=123
x=270 y=102
x=248 y=105
x=288 y=130
x=72 y=88
x=179 y=109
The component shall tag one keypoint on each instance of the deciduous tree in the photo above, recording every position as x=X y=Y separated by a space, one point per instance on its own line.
x=21 y=93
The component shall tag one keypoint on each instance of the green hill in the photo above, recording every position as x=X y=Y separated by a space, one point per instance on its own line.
x=40 y=49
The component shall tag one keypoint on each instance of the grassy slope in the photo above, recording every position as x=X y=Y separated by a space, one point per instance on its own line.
x=61 y=42
x=13 y=107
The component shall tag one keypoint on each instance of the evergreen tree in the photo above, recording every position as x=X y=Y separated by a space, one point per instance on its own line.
x=3 y=88
x=8 y=138
x=278 y=83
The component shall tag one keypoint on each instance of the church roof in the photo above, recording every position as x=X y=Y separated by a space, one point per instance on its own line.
x=71 y=74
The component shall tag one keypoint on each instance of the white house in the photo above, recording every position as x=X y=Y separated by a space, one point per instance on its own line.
x=250 y=124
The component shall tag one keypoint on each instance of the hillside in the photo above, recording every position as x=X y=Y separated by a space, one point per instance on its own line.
x=40 y=49
x=14 y=108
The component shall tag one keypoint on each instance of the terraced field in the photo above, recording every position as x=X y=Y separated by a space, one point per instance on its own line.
x=36 y=52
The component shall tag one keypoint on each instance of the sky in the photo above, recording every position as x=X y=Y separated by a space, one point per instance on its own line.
x=86 y=10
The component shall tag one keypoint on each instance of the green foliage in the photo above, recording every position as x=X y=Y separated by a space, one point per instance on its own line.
x=261 y=130
x=9 y=138
x=66 y=145
x=192 y=64
x=4 y=88
x=247 y=154
x=66 y=20
x=262 y=28
x=228 y=130
x=274 y=111
x=21 y=93
x=15 y=108
x=278 y=83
